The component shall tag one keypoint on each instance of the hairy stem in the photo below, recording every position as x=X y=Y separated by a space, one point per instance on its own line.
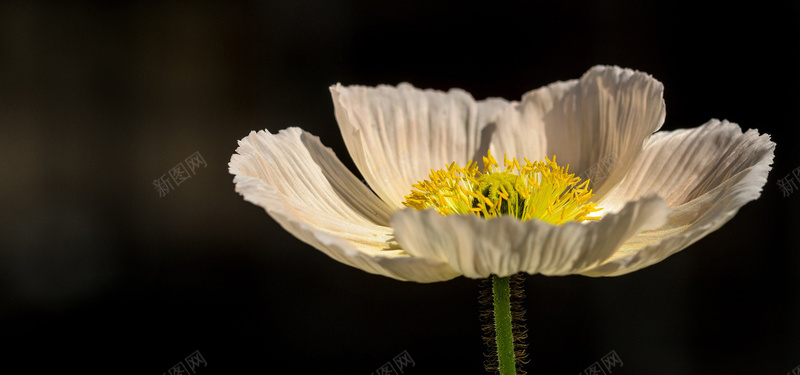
x=503 y=326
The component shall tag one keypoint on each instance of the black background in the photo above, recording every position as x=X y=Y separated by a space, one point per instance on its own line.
x=98 y=274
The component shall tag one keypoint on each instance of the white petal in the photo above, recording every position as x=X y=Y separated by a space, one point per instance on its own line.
x=396 y=135
x=597 y=124
x=504 y=246
x=519 y=131
x=311 y=194
x=706 y=174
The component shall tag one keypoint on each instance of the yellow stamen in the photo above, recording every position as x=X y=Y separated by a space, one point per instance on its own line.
x=534 y=190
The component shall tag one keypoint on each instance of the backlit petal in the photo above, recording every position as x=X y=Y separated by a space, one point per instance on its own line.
x=396 y=135
x=597 y=124
x=504 y=245
x=308 y=191
x=706 y=174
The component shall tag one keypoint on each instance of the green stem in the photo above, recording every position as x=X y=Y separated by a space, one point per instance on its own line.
x=502 y=325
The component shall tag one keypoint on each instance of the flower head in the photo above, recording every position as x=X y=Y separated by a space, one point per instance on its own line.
x=439 y=205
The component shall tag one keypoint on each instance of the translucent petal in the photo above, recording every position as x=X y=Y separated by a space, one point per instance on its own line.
x=597 y=124
x=396 y=135
x=705 y=174
x=504 y=246
x=307 y=190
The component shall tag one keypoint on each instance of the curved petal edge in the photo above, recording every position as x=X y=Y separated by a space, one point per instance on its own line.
x=306 y=189
x=504 y=245
x=726 y=190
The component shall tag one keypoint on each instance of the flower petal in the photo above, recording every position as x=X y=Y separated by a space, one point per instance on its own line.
x=504 y=246
x=396 y=135
x=706 y=174
x=311 y=194
x=597 y=124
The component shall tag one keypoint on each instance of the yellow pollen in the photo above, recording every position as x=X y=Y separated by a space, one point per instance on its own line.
x=534 y=190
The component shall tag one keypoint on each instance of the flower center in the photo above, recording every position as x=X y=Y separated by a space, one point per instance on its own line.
x=536 y=190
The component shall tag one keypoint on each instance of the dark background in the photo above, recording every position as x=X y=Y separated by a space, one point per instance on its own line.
x=97 y=273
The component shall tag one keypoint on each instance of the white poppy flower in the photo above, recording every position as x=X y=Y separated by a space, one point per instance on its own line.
x=657 y=192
